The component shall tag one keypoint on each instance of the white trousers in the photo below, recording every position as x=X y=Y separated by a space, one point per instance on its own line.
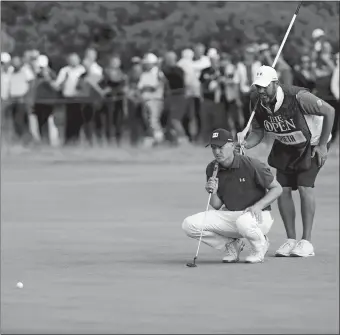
x=220 y=226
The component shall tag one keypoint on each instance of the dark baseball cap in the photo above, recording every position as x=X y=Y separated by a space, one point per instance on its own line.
x=220 y=137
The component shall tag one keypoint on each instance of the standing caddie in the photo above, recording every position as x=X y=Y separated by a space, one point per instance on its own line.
x=301 y=124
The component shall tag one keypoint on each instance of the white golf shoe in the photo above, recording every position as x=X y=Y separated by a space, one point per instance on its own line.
x=286 y=248
x=257 y=252
x=256 y=255
x=303 y=249
x=233 y=250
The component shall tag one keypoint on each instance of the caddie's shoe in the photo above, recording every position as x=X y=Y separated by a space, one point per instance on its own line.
x=303 y=249
x=286 y=248
x=233 y=250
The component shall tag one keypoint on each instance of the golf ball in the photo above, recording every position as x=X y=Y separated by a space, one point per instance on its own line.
x=20 y=284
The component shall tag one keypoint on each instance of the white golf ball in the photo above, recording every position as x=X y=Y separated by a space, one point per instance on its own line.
x=20 y=284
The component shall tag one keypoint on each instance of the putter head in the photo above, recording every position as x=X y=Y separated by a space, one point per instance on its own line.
x=191 y=265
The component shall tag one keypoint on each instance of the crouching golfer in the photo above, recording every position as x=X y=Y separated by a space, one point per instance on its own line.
x=246 y=188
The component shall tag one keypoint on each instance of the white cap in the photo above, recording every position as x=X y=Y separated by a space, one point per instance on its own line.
x=150 y=59
x=263 y=46
x=265 y=75
x=42 y=61
x=5 y=57
x=187 y=54
x=318 y=33
x=212 y=52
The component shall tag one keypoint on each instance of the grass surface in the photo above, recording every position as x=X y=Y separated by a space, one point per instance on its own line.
x=95 y=236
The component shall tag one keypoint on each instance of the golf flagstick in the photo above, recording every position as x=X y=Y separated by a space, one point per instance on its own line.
x=241 y=136
x=192 y=265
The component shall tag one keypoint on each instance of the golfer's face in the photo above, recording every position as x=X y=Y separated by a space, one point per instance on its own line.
x=224 y=152
x=267 y=93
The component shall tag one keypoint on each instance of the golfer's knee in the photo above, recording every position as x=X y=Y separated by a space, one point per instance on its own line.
x=244 y=223
x=188 y=226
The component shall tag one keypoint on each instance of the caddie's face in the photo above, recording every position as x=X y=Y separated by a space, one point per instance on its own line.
x=224 y=152
x=268 y=93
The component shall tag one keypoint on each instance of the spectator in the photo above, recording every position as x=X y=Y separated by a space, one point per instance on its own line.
x=192 y=93
x=151 y=87
x=231 y=94
x=114 y=87
x=175 y=102
x=212 y=109
x=247 y=70
x=6 y=72
x=94 y=69
x=322 y=64
x=137 y=125
x=265 y=57
x=320 y=44
x=303 y=74
x=200 y=63
x=31 y=68
x=67 y=82
x=45 y=99
x=20 y=85
x=283 y=70
x=29 y=60
x=91 y=94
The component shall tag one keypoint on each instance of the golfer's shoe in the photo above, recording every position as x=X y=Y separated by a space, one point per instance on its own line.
x=233 y=250
x=257 y=252
x=303 y=249
x=286 y=248
x=255 y=256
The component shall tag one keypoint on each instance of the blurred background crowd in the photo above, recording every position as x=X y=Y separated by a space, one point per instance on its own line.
x=165 y=97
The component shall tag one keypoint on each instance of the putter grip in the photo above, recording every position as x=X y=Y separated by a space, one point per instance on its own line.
x=214 y=172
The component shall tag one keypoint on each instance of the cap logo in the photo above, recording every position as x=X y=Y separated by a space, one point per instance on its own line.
x=215 y=135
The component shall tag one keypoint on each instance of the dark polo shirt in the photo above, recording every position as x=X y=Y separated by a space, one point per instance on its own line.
x=242 y=184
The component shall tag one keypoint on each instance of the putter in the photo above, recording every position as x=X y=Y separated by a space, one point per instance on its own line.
x=193 y=264
x=246 y=129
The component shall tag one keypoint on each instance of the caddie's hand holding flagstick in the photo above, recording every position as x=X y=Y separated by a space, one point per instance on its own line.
x=242 y=135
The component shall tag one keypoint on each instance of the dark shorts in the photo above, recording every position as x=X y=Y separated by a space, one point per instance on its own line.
x=305 y=178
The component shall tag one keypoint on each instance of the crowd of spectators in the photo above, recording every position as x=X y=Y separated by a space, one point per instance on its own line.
x=167 y=98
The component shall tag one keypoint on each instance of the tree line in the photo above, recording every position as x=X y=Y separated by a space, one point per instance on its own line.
x=133 y=28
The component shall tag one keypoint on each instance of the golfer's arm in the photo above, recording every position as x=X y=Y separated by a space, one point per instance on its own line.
x=274 y=191
x=216 y=202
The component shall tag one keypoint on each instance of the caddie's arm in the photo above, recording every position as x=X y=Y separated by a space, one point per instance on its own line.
x=255 y=135
x=312 y=105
